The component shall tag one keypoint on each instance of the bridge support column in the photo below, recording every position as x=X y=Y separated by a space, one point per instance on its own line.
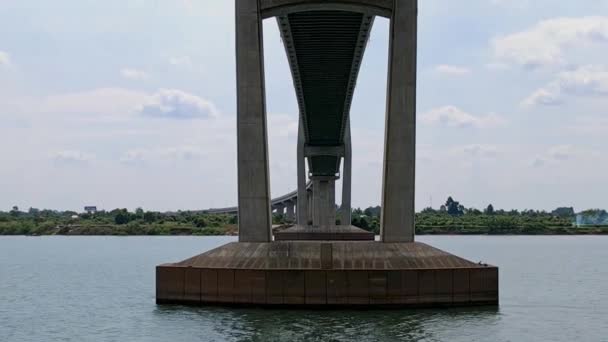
x=398 y=178
x=345 y=208
x=255 y=219
x=280 y=209
x=303 y=204
x=289 y=211
x=324 y=201
x=310 y=209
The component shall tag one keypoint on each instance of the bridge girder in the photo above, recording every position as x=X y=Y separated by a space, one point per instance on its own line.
x=275 y=8
x=324 y=49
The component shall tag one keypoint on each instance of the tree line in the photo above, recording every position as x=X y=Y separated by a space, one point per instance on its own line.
x=452 y=217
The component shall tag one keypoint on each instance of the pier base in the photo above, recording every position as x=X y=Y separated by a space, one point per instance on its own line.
x=327 y=274
x=324 y=233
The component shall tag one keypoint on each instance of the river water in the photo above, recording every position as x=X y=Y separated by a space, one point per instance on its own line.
x=102 y=289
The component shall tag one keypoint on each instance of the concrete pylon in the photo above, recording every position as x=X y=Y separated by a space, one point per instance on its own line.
x=398 y=177
x=302 y=211
x=345 y=208
x=310 y=209
x=289 y=211
x=255 y=219
x=324 y=201
x=280 y=209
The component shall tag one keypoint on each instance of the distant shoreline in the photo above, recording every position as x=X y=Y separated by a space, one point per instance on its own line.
x=232 y=230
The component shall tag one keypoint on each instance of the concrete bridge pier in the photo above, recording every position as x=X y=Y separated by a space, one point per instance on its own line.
x=326 y=264
x=303 y=204
x=324 y=200
x=280 y=209
x=290 y=211
x=345 y=208
x=310 y=209
x=398 y=177
x=255 y=219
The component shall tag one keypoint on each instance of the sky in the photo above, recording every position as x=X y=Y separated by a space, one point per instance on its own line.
x=131 y=103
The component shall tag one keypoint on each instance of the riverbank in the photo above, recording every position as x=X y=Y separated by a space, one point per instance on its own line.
x=232 y=230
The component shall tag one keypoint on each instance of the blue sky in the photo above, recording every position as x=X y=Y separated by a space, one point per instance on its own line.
x=131 y=103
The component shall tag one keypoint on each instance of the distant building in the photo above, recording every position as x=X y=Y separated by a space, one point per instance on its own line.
x=90 y=209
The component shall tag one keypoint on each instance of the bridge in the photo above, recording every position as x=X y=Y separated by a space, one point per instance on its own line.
x=284 y=205
x=316 y=262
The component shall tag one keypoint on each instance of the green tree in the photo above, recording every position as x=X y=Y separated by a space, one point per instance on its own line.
x=453 y=207
x=489 y=210
x=564 y=212
x=139 y=212
x=121 y=217
x=200 y=222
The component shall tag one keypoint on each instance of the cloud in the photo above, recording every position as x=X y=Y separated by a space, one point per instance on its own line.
x=451 y=116
x=5 y=59
x=496 y=66
x=545 y=43
x=134 y=74
x=72 y=157
x=585 y=81
x=182 y=153
x=452 y=70
x=116 y=104
x=538 y=161
x=543 y=97
x=184 y=61
x=477 y=150
x=173 y=153
x=102 y=101
x=563 y=153
x=135 y=156
x=519 y=4
x=177 y=104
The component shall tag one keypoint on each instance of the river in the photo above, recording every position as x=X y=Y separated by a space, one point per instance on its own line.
x=552 y=288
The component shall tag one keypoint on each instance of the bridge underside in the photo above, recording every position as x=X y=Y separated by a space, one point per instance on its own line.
x=325 y=49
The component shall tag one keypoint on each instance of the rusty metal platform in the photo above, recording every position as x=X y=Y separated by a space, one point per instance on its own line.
x=324 y=233
x=329 y=273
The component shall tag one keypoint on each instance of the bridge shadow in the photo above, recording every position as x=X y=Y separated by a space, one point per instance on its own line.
x=251 y=324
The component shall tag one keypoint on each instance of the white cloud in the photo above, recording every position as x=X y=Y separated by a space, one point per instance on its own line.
x=496 y=66
x=478 y=150
x=72 y=157
x=5 y=59
x=134 y=74
x=584 y=81
x=173 y=153
x=538 y=161
x=102 y=101
x=542 y=97
x=186 y=152
x=177 y=104
x=452 y=70
x=135 y=156
x=587 y=80
x=519 y=4
x=545 y=43
x=565 y=153
x=452 y=116
x=562 y=152
x=184 y=61
x=115 y=104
